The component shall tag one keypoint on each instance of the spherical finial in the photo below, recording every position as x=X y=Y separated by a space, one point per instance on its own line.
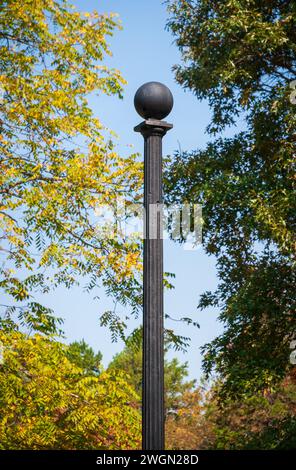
x=153 y=100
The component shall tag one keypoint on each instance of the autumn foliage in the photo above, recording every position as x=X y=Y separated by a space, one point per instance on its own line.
x=48 y=402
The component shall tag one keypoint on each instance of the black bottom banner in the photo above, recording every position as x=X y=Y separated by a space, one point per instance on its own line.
x=126 y=459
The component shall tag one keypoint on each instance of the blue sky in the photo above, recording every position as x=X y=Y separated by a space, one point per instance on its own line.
x=144 y=51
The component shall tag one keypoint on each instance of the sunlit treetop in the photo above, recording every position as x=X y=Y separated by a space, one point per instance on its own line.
x=241 y=57
x=58 y=162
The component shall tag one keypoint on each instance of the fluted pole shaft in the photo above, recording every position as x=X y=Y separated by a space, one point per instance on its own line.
x=153 y=350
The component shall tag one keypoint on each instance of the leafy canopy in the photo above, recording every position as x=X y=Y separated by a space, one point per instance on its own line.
x=58 y=162
x=241 y=57
x=129 y=361
x=81 y=354
x=49 y=402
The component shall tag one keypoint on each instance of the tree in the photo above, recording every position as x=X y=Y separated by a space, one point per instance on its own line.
x=265 y=420
x=197 y=418
x=184 y=422
x=58 y=162
x=81 y=354
x=187 y=428
x=49 y=402
x=240 y=56
x=129 y=361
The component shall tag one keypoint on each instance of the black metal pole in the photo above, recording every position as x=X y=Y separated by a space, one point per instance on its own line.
x=153 y=131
